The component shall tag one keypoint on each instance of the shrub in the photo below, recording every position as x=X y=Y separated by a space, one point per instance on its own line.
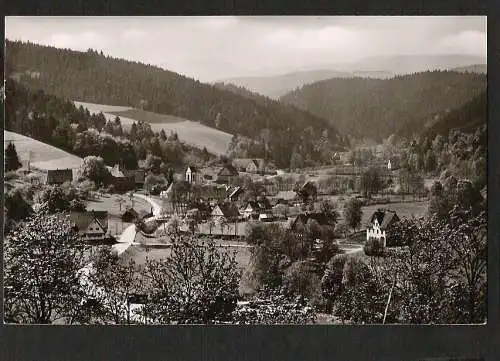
x=373 y=247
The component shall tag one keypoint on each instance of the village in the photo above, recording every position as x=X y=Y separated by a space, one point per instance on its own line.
x=136 y=193
x=221 y=201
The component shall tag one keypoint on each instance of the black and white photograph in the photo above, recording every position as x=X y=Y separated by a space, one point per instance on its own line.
x=245 y=170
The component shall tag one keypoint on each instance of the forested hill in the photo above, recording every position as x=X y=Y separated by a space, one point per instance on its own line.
x=376 y=108
x=466 y=118
x=92 y=77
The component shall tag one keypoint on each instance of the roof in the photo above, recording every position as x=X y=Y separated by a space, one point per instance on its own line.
x=82 y=220
x=59 y=175
x=138 y=174
x=228 y=169
x=385 y=217
x=130 y=211
x=319 y=217
x=229 y=210
x=235 y=191
x=117 y=172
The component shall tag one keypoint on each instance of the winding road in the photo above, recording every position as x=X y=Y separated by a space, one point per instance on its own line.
x=128 y=235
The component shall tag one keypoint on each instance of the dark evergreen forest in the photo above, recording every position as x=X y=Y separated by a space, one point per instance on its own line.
x=377 y=108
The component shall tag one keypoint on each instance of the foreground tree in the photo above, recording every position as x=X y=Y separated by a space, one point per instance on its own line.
x=114 y=283
x=41 y=279
x=197 y=283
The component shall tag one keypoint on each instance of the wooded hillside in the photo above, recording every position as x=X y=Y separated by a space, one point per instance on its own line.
x=376 y=108
x=92 y=77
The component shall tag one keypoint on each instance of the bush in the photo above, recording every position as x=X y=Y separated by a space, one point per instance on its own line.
x=373 y=247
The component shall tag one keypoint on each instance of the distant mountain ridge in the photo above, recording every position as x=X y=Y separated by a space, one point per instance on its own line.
x=378 y=67
x=276 y=86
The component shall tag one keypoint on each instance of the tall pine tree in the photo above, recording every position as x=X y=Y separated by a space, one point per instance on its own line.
x=11 y=159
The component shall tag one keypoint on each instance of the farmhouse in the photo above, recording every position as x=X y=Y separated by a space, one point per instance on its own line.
x=91 y=226
x=380 y=222
x=59 y=176
x=304 y=218
x=121 y=181
x=255 y=208
x=139 y=176
x=225 y=212
x=226 y=174
x=192 y=175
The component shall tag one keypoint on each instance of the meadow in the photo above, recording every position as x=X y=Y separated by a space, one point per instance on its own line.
x=43 y=156
x=190 y=132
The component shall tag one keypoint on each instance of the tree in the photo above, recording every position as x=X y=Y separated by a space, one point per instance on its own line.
x=371 y=181
x=12 y=161
x=17 y=206
x=331 y=282
x=94 y=169
x=196 y=283
x=60 y=199
x=41 y=280
x=353 y=213
x=114 y=282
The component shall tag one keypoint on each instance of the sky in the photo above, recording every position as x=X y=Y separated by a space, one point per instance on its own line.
x=220 y=47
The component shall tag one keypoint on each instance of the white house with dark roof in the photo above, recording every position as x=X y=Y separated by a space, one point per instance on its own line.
x=191 y=175
x=380 y=222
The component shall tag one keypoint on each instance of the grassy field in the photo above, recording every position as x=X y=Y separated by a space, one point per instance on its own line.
x=190 y=132
x=140 y=253
x=43 y=156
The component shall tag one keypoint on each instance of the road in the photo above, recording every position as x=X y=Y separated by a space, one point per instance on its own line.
x=127 y=237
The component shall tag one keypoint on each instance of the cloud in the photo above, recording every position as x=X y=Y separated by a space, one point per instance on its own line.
x=216 y=22
x=79 y=41
x=134 y=35
x=465 y=42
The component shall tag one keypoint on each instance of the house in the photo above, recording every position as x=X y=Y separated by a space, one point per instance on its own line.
x=233 y=193
x=227 y=173
x=192 y=175
x=380 y=222
x=225 y=211
x=139 y=176
x=59 y=176
x=91 y=225
x=131 y=215
x=248 y=165
x=285 y=197
x=393 y=163
x=303 y=219
x=122 y=182
x=254 y=209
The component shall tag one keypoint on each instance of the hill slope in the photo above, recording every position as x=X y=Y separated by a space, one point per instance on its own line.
x=466 y=118
x=276 y=86
x=376 y=108
x=192 y=133
x=43 y=156
x=95 y=78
